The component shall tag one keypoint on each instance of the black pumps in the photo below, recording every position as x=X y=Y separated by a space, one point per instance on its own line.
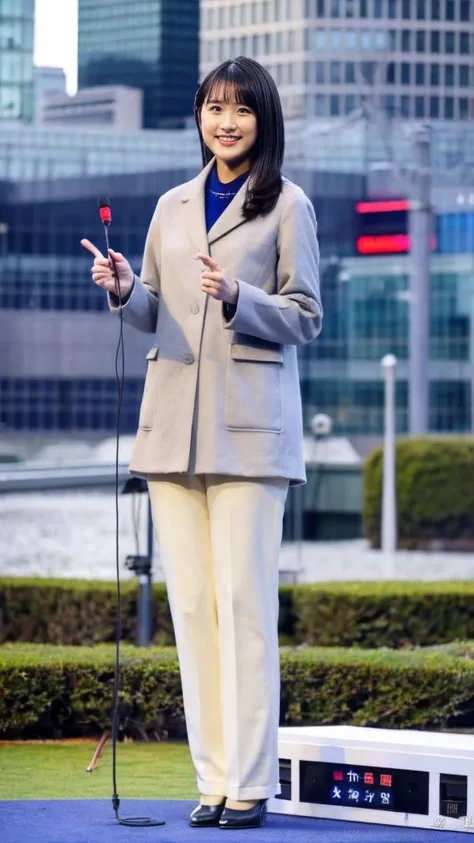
x=251 y=818
x=206 y=815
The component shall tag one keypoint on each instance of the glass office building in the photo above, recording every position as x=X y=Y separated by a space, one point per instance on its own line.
x=57 y=340
x=326 y=55
x=151 y=44
x=16 y=60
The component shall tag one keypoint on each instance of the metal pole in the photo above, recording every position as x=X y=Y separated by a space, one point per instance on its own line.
x=420 y=236
x=389 y=504
x=144 y=587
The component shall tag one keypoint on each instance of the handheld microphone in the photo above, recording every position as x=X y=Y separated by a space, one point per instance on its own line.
x=105 y=211
x=105 y=214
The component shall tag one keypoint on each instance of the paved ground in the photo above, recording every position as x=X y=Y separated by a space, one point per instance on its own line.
x=73 y=535
x=353 y=560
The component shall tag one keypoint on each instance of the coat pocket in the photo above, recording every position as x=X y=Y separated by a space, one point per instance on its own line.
x=252 y=399
x=148 y=405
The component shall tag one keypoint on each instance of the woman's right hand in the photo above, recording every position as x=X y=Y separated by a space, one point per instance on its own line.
x=103 y=273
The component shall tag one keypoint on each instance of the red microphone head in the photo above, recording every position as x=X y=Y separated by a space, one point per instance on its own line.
x=105 y=213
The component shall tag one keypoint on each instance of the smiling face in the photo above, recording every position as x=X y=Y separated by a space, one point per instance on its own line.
x=229 y=130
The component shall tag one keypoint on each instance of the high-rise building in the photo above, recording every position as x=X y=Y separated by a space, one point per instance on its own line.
x=152 y=45
x=16 y=59
x=48 y=81
x=417 y=56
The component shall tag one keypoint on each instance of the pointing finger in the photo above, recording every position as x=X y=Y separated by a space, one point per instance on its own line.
x=208 y=261
x=91 y=248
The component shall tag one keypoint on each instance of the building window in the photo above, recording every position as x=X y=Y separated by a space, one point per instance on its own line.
x=434 y=75
x=406 y=9
x=335 y=39
x=291 y=41
x=449 y=108
x=254 y=45
x=233 y=15
x=279 y=42
x=420 y=41
x=390 y=104
x=449 y=42
x=268 y=44
x=320 y=39
x=420 y=9
x=450 y=10
x=449 y=75
x=464 y=10
x=350 y=10
x=278 y=9
x=378 y=8
x=253 y=10
x=434 y=106
x=365 y=40
x=363 y=10
x=406 y=41
x=435 y=42
x=243 y=14
x=335 y=72
x=464 y=76
x=350 y=103
x=381 y=40
x=419 y=107
x=405 y=80
x=351 y=39
x=321 y=8
x=464 y=43
x=391 y=73
x=335 y=8
x=419 y=74
x=320 y=72
x=392 y=9
x=320 y=105
x=405 y=106
x=435 y=11
x=335 y=105
x=463 y=108
x=350 y=73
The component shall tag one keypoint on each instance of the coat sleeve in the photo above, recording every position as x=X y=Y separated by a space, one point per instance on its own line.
x=294 y=315
x=140 y=308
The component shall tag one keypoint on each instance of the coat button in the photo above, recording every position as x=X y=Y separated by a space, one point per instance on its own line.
x=194 y=307
x=188 y=359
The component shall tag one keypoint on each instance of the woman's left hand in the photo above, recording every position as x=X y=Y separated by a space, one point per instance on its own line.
x=215 y=283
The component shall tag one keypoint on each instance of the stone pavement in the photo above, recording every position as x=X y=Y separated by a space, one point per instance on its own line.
x=354 y=560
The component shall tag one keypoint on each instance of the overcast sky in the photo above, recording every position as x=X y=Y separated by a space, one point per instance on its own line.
x=56 y=37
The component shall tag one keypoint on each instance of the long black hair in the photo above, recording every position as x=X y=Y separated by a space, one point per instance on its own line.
x=250 y=84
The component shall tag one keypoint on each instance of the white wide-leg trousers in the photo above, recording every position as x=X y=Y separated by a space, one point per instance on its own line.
x=219 y=540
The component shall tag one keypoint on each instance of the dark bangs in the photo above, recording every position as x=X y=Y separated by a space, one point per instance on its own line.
x=245 y=81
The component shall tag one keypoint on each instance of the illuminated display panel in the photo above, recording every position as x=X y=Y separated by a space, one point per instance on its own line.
x=353 y=786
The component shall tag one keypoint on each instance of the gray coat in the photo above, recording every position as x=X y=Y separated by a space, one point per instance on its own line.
x=223 y=397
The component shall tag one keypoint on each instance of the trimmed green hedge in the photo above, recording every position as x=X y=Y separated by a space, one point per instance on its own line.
x=435 y=493
x=67 y=691
x=363 y=614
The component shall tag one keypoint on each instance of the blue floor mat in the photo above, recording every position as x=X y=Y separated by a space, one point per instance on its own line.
x=93 y=821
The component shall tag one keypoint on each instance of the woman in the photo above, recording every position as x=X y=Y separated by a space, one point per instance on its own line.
x=220 y=428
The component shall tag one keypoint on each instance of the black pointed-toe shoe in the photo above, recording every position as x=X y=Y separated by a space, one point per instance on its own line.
x=251 y=818
x=206 y=815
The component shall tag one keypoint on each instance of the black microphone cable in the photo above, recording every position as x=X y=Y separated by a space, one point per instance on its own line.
x=103 y=204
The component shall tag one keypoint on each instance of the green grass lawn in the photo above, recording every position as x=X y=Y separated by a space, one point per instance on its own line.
x=58 y=771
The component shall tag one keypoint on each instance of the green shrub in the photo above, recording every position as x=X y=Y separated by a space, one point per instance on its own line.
x=435 y=493
x=67 y=691
x=362 y=614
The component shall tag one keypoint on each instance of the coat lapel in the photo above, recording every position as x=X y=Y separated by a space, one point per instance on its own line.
x=194 y=200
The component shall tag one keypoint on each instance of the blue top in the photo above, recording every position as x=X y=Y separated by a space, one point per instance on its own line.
x=219 y=195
